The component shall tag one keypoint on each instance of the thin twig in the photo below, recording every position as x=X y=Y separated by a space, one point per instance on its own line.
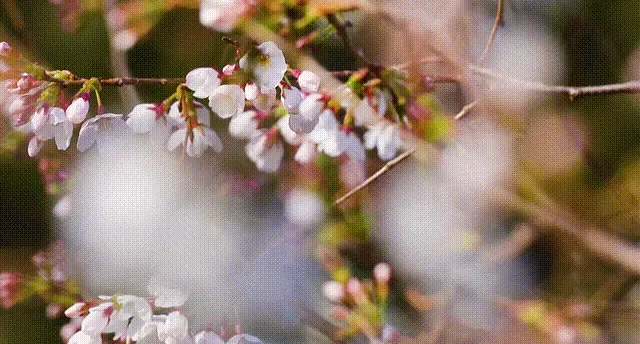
x=121 y=81
x=499 y=21
x=388 y=166
x=341 y=30
x=465 y=110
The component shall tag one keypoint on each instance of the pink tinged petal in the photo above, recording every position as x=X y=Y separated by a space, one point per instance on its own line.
x=77 y=110
x=291 y=98
x=306 y=152
x=251 y=91
x=176 y=139
x=57 y=116
x=142 y=118
x=244 y=339
x=203 y=81
x=88 y=135
x=212 y=139
x=34 y=147
x=83 y=338
x=309 y=82
x=77 y=310
x=207 y=337
x=63 y=133
x=227 y=100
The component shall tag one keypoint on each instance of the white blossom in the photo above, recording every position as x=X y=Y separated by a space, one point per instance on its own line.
x=364 y=114
x=203 y=81
x=202 y=114
x=83 y=338
x=385 y=137
x=309 y=111
x=97 y=319
x=207 y=337
x=333 y=291
x=35 y=145
x=304 y=208
x=251 y=91
x=197 y=140
x=222 y=15
x=306 y=152
x=309 y=82
x=265 y=151
x=144 y=116
x=265 y=99
x=106 y=131
x=78 y=109
x=269 y=67
x=52 y=122
x=227 y=100
x=291 y=98
x=244 y=125
x=174 y=329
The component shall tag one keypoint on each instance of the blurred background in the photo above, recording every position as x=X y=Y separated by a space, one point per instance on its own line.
x=584 y=154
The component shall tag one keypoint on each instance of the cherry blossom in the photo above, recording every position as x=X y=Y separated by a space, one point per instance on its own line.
x=364 y=114
x=106 y=131
x=143 y=117
x=52 y=122
x=167 y=297
x=309 y=82
x=304 y=207
x=174 y=329
x=78 y=109
x=222 y=15
x=203 y=81
x=268 y=67
x=227 y=100
x=333 y=291
x=176 y=115
x=385 y=137
x=265 y=99
x=291 y=98
x=244 y=125
x=197 y=139
x=84 y=338
x=266 y=150
x=309 y=111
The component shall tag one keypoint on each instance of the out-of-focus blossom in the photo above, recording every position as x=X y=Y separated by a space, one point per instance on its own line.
x=304 y=207
x=143 y=117
x=106 y=131
x=266 y=151
x=222 y=15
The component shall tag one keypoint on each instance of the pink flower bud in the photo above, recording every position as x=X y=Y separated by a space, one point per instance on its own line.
x=78 y=310
x=355 y=290
x=333 y=291
x=78 y=109
x=382 y=273
x=5 y=49
x=229 y=69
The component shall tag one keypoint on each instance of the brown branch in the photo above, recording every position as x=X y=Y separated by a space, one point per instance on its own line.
x=341 y=30
x=120 y=81
x=499 y=21
x=388 y=166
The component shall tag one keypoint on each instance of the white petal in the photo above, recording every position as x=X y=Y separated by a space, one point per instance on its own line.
x=207 y=337
x=176 y=139
x=35 y=146
x=170 y=297
x=291 y=98
x=309 y=82
x=227 y=100
x=197 y=144
x=142 y=118
x=265 y=101
x=243 y=125
x=364 y=114
x=290 y=136
x=304 y=208
x=64 y=131
x=175 y=114
x=388 y=142
x=270 y=160
x=204 y=117
x=94 y=323
x=354 y=148
x=300 y=124
x=203 y=81
x=111 y=138
x=177 y=325
x=212 y=139
x=57 y=115
x=83 y=338
x=327 y=124
x=251 y=90
x=88 y=135
x=39 y=120
x=371 y=135
x=244 y=339
x=311 y=106
x=306 y=152
x=77 y=110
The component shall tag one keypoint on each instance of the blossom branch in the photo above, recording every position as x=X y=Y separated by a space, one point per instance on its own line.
x=499 y=21
x=119 y=81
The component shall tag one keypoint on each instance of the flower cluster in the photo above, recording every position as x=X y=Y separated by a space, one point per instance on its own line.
x=361 y=306
x=131 y=318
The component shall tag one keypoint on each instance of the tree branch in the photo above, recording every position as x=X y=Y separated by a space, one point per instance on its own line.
x=120 y=81
x=492 y=36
